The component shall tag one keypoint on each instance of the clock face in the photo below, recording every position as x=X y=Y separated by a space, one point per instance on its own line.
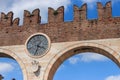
x=37 y=45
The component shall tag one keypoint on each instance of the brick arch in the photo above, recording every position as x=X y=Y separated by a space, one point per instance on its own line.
x=10 y=54
x=75 y=49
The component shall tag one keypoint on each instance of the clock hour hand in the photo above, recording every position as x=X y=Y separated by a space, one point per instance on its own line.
x=41 y=46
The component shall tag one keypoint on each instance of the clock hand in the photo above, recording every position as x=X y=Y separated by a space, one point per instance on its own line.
x=39 y=42
x=36 y=51
x=41 y=46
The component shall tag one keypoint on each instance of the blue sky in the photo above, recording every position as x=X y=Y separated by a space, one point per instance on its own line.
x=10 y=69
x=18 y=7
x=88 y=66
x=100 y=68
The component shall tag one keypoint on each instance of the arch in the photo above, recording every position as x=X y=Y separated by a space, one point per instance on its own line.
x=75 y=49
x=10 y=54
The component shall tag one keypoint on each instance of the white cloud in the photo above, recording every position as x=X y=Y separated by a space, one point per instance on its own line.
x=88 y=1
x=19 y=6
x=87 y=57
x=73 y=60
x=5 y=67
x=62 y=66
x=113 y=77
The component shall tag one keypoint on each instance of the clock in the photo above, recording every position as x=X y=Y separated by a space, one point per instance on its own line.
x=38 y=44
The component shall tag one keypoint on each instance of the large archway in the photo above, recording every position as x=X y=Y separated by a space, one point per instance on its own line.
x=75 y=49
x=4 y=53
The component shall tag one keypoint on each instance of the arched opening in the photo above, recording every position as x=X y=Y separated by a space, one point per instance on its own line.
x=10 y=69
x=14 y=60
x=87 y=66
x=75 y=49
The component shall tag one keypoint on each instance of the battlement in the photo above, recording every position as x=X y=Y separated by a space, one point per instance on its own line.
x=7 y=19
x=56 y=15
x=32 y=19
x=80 y=14
x=104 y=12
x=80 y=28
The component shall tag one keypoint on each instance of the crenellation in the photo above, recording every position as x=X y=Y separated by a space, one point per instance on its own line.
x=100 y=11
x=50 y=15
x=55 y=16
x=108 y=10
x=108 y=4
x=3 y=15
x=37 y=18
x=26 y=20
x=3 y=18
x=6 y=19
x=99 y=5
x=104 y=12
x=16 y=22
x=80 y=14
x=83 y=12
x=10 y=18
x=84 y=7
x=60 y=14
x=79 y=29
x=76 y=8
x=32 y=19
x=10 y=14
x=76 y=14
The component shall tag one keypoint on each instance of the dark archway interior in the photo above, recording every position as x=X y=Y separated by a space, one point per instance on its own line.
x=78 y=50
x=3 y=55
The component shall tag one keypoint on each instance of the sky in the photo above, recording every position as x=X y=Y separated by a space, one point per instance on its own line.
x=100 y=67
x=18 y=7
x=10 y=69
x=88 y=66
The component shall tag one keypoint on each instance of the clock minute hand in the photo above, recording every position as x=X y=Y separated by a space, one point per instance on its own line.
x=36 y=51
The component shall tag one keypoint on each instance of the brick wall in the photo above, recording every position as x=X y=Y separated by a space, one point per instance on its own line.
x=80 y=28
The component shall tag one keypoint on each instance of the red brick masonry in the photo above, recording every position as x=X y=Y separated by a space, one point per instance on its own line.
x=80 y=28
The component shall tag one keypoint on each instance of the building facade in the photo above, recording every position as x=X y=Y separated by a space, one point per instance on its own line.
x=41 y=48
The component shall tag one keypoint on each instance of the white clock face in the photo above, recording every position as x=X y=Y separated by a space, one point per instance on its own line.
x=37 y=45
